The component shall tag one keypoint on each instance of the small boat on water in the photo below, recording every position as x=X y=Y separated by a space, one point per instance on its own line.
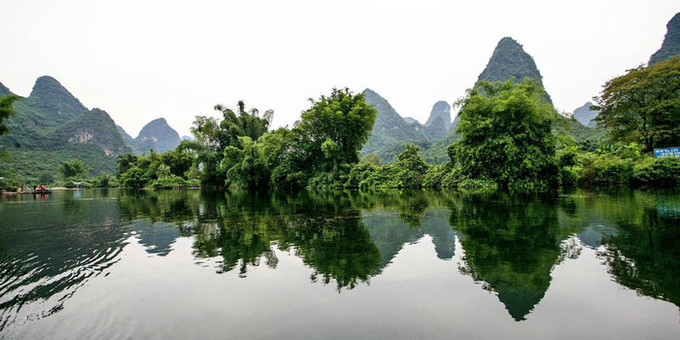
x=41 y=190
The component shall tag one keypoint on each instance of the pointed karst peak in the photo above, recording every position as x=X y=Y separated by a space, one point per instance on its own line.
x=368 y=91
x=671 y=42
x=157 y=135
x=46 y=84
x=156 y=127
x=509 y=60
x=440 y=109
x=52 y=95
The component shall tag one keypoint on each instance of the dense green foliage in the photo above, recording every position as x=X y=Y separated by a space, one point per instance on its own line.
x=619 y=165
x=506 y=136
x=6 y=111
x=171 y=169
x=74 y=170
x=214 y=136
x=325 y=142
x=643 y=106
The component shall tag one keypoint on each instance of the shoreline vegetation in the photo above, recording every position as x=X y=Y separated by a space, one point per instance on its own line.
x=511 y=138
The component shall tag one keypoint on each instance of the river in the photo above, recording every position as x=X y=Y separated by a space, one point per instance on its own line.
x=391 y=264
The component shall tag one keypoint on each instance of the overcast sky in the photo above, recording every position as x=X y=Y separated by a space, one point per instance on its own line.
x=140 y=60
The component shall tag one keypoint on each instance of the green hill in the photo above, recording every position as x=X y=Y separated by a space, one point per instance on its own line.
x=52 y=126
x=390 y=132
x=156 y=135
x=440 y=110
x=438 y=125
x=510 y=61
x=671 y=42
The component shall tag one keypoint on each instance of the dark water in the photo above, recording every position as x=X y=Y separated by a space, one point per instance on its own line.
x=192 y=264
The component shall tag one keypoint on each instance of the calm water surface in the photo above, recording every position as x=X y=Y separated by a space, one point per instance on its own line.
x=197 y=264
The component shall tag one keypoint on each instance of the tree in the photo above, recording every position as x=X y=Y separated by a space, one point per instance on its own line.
x=75 y=169
x=125 y=162
x=643 y=105
x=246 y=167
x=325 y=141
x=6 y=111
x=134 y=177
x=408 y=171
x=507 y=135
x=214 y=136
x=337 y=127
x=371 y=158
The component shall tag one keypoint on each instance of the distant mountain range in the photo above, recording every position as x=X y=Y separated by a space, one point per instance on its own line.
x=51 y=126
x=391 y=132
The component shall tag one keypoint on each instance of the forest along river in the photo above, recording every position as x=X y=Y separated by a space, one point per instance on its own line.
x=391 y=264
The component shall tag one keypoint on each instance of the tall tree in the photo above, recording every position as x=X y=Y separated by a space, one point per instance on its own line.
x=6 y=111
x=214 y=136
x=337 y=127
x=327 y=138
x=506 y=135
x=74 y=170
x=643 y=105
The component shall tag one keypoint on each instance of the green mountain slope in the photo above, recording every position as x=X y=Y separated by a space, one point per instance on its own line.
x=671 y=42
x=52 y=126
x=4 y=90
x=390 y=131
x=156 y=135
x=127 y=138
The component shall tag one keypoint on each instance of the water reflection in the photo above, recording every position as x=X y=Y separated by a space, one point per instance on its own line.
x=510 y=243
x=325 y=231
x=643 y=253
x=50 y=248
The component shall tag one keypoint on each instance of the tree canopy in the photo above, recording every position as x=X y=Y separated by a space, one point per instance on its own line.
x=326 y=140
x=643 y=105
x=215 y=136
x=74 y=169
x=506 y=135
x=6 y=111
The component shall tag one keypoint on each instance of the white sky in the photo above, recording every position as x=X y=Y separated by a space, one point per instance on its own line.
x=140 y=60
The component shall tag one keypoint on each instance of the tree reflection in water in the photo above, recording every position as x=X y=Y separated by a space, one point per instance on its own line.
x=511 y=243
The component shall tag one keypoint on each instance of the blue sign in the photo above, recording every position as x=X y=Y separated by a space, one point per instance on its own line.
x=667 y=152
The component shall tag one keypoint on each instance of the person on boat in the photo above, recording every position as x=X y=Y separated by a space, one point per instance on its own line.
x=35 y=188
x=42 y=187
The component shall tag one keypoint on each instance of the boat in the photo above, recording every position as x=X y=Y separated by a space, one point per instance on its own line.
x=42 y=192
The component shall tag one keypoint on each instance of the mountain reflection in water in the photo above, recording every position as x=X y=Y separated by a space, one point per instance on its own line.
x=510 y=244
